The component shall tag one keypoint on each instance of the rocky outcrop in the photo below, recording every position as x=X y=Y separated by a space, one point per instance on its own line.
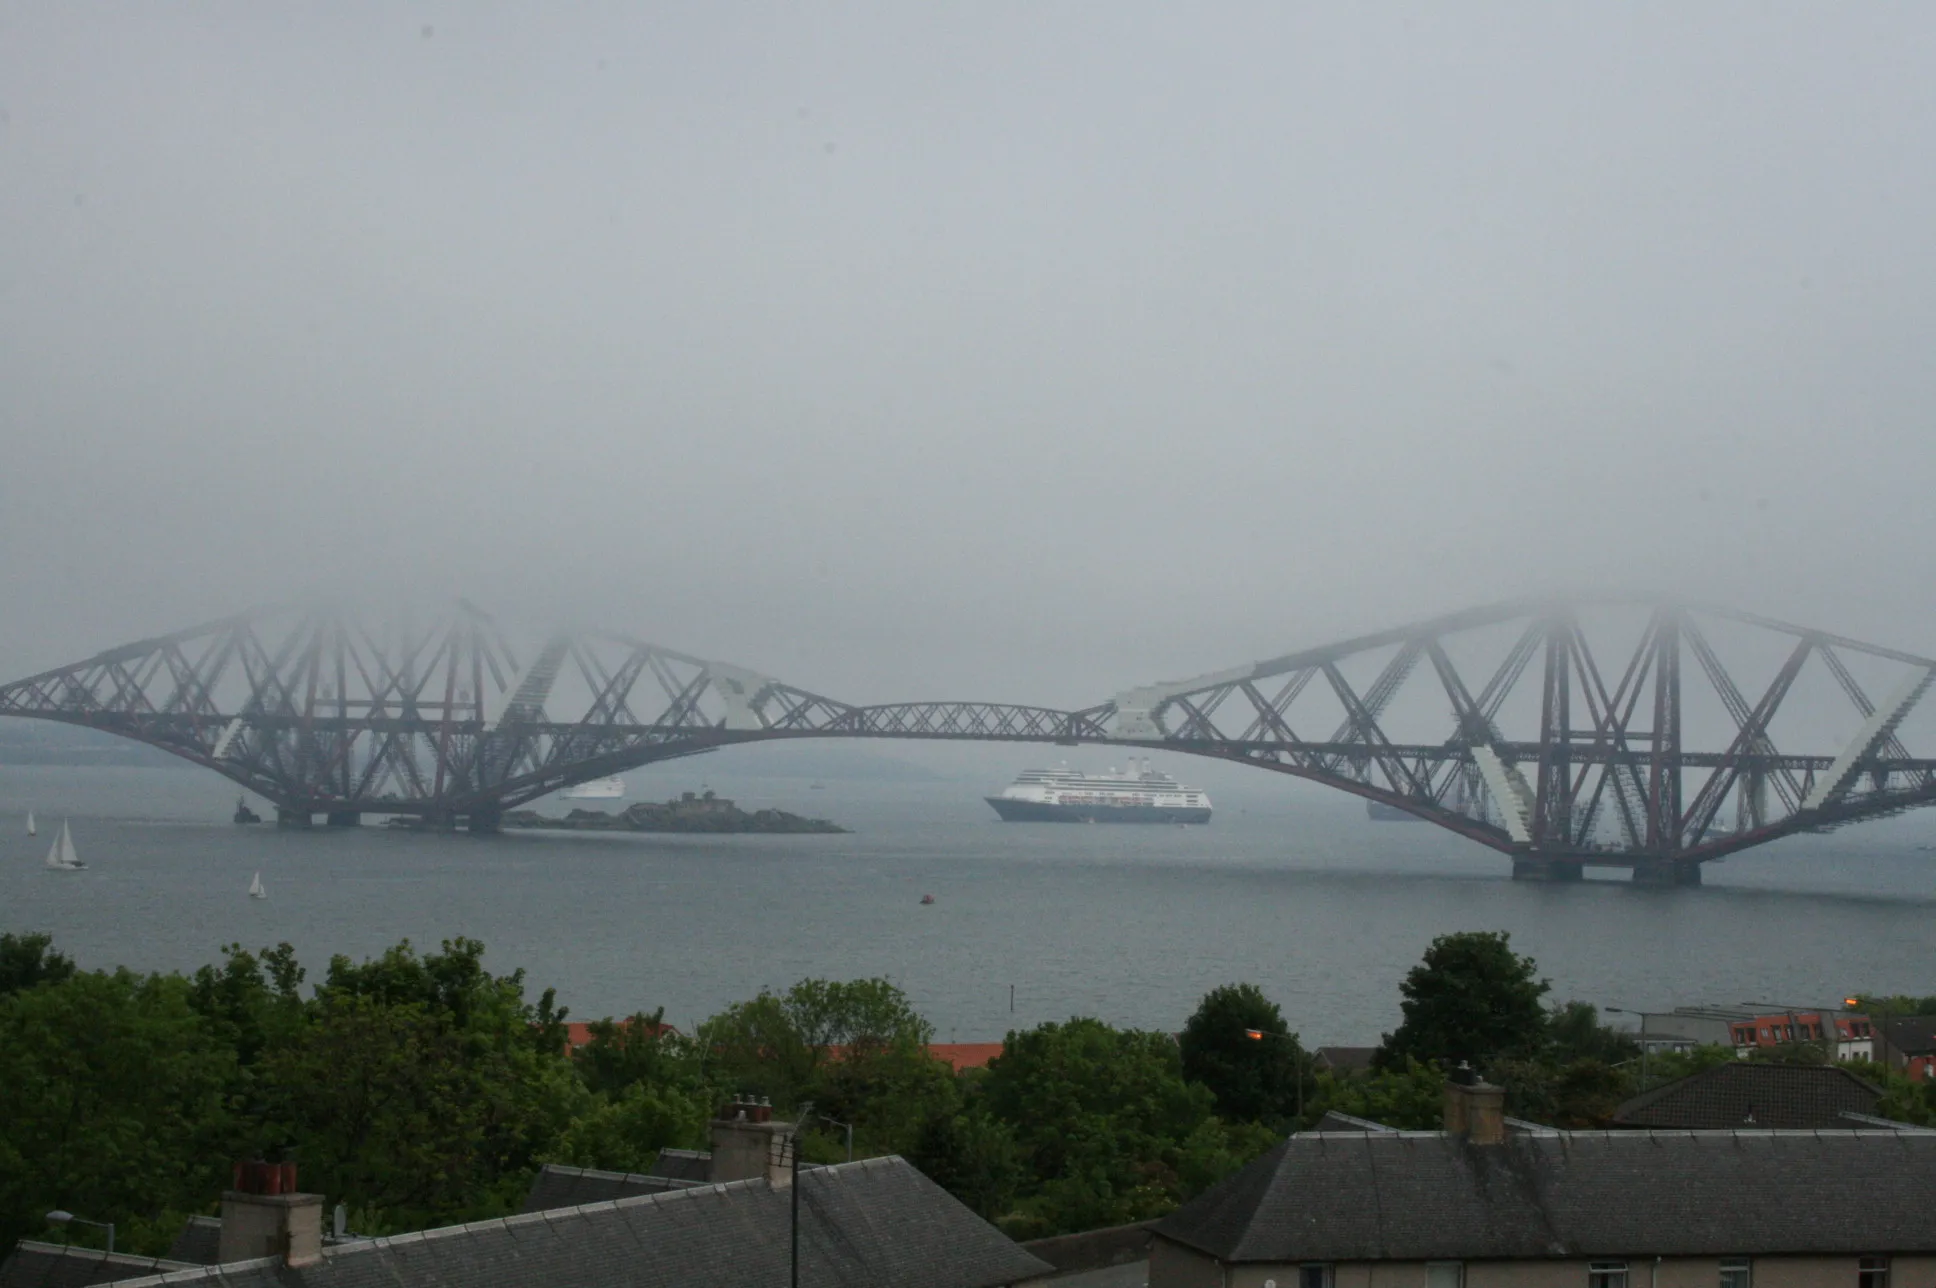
x=702 y=812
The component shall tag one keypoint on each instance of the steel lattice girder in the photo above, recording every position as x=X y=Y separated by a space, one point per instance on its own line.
x=1535 y=751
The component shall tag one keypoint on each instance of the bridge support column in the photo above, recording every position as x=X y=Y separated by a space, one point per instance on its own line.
x=1666 y=872
x=486 y=822
x=292 y=817
x=1548 y=870
x=345 y=818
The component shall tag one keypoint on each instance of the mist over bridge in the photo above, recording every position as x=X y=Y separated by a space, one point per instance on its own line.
x=1560 y=734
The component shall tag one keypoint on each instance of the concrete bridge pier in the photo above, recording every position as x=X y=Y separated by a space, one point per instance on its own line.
x=1666 y=872
x=292 y=817
x=345 y=818
x=486 y=822
x=1541 y=869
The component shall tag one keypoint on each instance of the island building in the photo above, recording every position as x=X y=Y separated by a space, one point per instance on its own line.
x=1479 y=1204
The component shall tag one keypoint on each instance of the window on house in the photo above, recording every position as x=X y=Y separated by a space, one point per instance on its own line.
x=1445 y=1274
x=1613 y=1274
x=1317 y=1274
x=1872 y=1272
x=1736 y=1274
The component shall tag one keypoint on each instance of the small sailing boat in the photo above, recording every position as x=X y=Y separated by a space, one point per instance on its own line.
x=62 y=857
x=255 y=888
x=31 y=829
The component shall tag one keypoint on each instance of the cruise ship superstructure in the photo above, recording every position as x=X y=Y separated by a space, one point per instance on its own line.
x=1064 y=795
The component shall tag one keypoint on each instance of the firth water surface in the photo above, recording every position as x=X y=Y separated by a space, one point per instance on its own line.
x=1290 y=887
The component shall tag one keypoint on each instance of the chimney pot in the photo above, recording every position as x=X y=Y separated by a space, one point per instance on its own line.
x=264 y=1216
x=1475 y=1110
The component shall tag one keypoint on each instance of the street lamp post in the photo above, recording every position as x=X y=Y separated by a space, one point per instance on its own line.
x=1258 y=1035
x=850 y=1132
x=1644 y=1049
x=60 y=1216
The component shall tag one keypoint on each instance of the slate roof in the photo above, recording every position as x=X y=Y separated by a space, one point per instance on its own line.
x=1344 y=1059
x=1747 y=1093
x=558 y=1186
x=33 y=1264
x=1335 y=1121
x=1911 y=1035
x=877 y=1222
x=199 y=1243
x=1423 y=1195
x=684 y=1165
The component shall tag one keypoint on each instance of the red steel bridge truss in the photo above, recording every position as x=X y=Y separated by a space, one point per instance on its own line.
x=1655 y=736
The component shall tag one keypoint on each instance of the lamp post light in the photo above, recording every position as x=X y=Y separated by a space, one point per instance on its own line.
x=60 y=1216
x=1258 y=1035
x=1645 y=1050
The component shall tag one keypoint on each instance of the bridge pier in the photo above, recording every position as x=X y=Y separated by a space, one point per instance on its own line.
x=345 y=818
x=1548 y=870
x=292 y=817
x=1666 y=872
x=486 y=822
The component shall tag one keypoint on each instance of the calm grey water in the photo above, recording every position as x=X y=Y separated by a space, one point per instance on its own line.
x=1290 y=887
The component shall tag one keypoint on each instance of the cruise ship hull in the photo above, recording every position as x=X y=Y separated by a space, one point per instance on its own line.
x=1013 y=810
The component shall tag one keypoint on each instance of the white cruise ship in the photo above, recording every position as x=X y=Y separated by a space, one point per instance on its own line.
x=1064 y=795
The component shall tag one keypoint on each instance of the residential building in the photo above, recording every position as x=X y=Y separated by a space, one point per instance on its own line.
x=876 y=1223
x=1796 y=1097
x=1852 y=1035
x=1343 y=1059
x=1687 y=1027
x=1478 y=1206
x=1909 y=1044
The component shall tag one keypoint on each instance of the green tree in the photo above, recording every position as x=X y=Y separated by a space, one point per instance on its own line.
x=625 y=1132
x=973 y=1156
x=396 y=1109
x=1575 y=1032
x=115 y=1105
x=1572 y=1094
x=777 y=1045
x=1101 y=1116
x=1257 y=1078
x=639 y=1049
x=27 y=960
x=1471 y=999
x=1410 y=1097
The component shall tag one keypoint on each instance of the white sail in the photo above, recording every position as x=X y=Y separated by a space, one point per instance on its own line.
x=62 y=854
x=255 y=888
x=31 y=829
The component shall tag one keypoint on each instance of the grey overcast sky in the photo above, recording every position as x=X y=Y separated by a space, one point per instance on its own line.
x=1016 y=351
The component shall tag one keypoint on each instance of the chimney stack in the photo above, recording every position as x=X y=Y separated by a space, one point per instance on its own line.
x=1474 y=1110
x=748 y=1143
x=264 y=1216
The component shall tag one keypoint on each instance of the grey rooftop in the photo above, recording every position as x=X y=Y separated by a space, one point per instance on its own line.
x=1423 y=1195
x=877 y=1222
x=33 y=1264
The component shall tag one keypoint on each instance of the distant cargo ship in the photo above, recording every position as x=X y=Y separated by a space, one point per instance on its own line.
x=598 y=789
x=1064 y=795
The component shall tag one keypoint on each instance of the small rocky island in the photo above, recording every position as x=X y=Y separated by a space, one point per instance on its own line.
x=701 y=812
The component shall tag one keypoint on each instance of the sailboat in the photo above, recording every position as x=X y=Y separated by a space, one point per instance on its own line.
x=62 y=857
x=255 y=888
x=31 y=829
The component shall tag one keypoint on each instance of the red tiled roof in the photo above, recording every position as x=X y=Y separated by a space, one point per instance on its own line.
x=965 y=1055
x=577 y=1034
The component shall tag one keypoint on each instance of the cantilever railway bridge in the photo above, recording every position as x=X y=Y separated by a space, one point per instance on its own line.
x=1561 y=734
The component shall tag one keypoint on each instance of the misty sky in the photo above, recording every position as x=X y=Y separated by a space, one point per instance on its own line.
x=1011 y=351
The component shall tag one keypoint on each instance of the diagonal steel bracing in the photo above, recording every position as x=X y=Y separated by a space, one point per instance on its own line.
x=1511 y=736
